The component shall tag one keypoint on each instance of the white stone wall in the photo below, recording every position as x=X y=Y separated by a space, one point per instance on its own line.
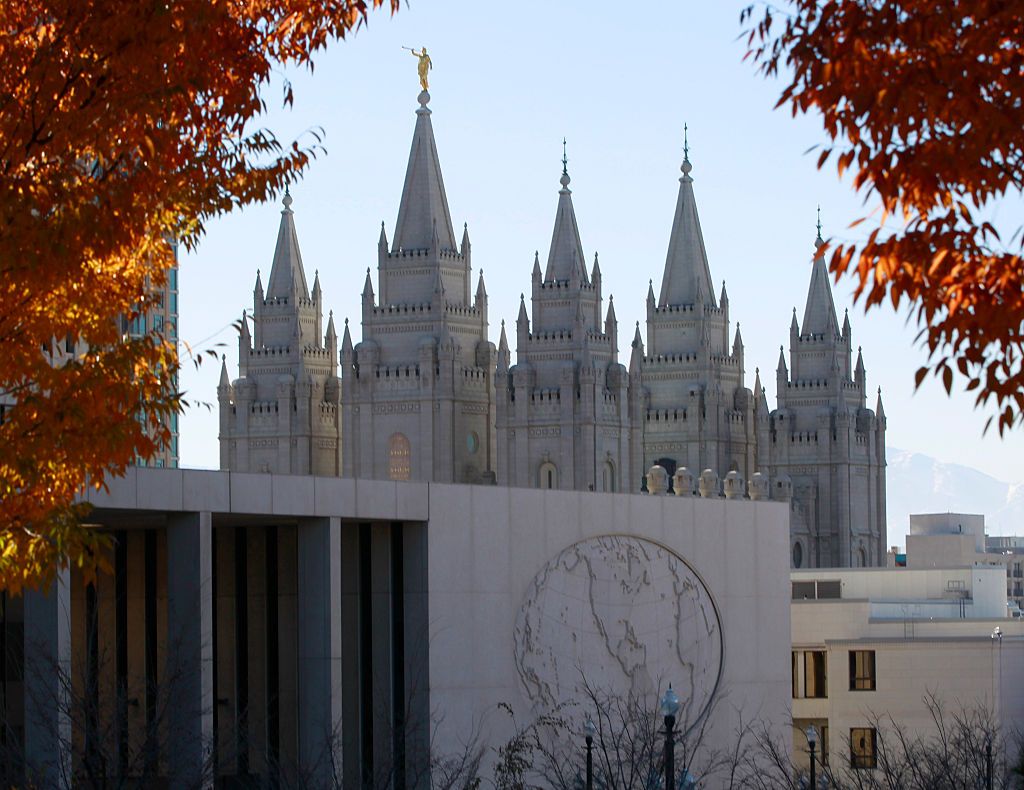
x=486 y=545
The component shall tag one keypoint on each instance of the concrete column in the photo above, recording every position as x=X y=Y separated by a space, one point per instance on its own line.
x=382 y=646
x=48 y=684
x=319 y=642
x=190 y=649
x=416 y=622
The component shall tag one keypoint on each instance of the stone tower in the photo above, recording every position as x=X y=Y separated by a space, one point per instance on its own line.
x=281 y=414
x=562 y=419
x=826 y=440
x=688 y=404
x=418 y=391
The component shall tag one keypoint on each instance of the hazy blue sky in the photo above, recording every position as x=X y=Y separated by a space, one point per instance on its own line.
x=509 y=81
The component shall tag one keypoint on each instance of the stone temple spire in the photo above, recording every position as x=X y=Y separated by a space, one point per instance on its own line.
x=424 y=204
x=820 y=312
x=687 y=278
x=565 y=258
x=287 y=277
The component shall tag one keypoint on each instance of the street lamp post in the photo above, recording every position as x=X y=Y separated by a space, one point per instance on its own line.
x=812 y=741
x=589 y=730
x=669 y=709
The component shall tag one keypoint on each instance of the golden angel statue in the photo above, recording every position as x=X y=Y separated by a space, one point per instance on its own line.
x=424 y=66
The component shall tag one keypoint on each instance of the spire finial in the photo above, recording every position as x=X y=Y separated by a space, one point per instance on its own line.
x=686 y=167
x=564 y=180
x=287 y=201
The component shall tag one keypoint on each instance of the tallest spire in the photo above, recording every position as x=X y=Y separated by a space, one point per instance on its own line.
x=424 y=204
x=286 y=274
x=687 y=278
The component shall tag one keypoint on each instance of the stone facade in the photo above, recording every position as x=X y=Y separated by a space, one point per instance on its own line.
x=418 y=391
x=688 y=402
x=562 y=419
x=281 y=414
x=426 y=396
x=826 y=441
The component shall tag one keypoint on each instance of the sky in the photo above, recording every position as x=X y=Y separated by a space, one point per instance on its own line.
x=618 y=82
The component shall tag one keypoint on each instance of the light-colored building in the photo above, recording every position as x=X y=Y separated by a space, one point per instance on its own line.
x=562 y=412
x=286 y=628
x=876 y=642
x=826 y=440
x=959 y=538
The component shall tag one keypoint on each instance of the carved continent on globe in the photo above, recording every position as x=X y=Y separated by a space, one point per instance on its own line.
x=626 y=614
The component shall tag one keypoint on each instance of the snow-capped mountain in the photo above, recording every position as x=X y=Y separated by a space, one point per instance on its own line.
x=917 y=483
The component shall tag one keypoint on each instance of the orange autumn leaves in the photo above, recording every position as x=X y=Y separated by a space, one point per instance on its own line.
x=922 y=102
x=123 y=124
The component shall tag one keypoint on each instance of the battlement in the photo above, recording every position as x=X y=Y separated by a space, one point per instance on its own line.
x=424 y=252
x=678 y=309
x=556 y=285
x=284 y=301
x=397 y=371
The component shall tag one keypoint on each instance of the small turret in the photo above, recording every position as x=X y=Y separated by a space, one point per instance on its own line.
x=368 y=294
x=651 y=303
x=794 y=331
x=481 y=291
x=595 y=272
x=522 y=324
x=723 y=300
x=257 y=291
x=465 y=239
x=846 y=325
x=346 y=342
x=225 y=383
x=737 y=343
x=536 y=266
x=382 y=242
x=316 y=287
x=610 y=322
x=504 y=355
x=879 y=410
x=860 y=374
x=331 y=337
x=637 y=355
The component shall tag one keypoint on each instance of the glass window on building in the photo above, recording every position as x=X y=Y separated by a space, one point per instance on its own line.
x=815 y=674
x=862 y=747
x=862 y=670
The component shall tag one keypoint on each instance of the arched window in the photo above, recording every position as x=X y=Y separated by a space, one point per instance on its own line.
x=548 y=475
x=862 y=558
x=399 y=455
x=798 y=555
x=608 y=476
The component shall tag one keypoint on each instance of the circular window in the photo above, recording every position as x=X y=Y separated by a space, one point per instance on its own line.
x=798 y=555
x=472 y=442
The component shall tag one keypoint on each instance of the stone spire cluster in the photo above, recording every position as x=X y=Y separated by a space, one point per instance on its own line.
x=424 y=394
x=825 y=440
x=282 y=413
x=564 y=401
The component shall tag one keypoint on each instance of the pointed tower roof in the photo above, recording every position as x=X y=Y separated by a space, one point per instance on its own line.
x=481 y=289
x=346 y=340
x=879 y=411
x=610 y=316
x=687 y=277
x=503 y=340
x=368 y=285
x=565 y=258
x=782 y=362
x=286 y=274
x=224 y=380
x=820 y=312
x=424 y=204
x=332 y=333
